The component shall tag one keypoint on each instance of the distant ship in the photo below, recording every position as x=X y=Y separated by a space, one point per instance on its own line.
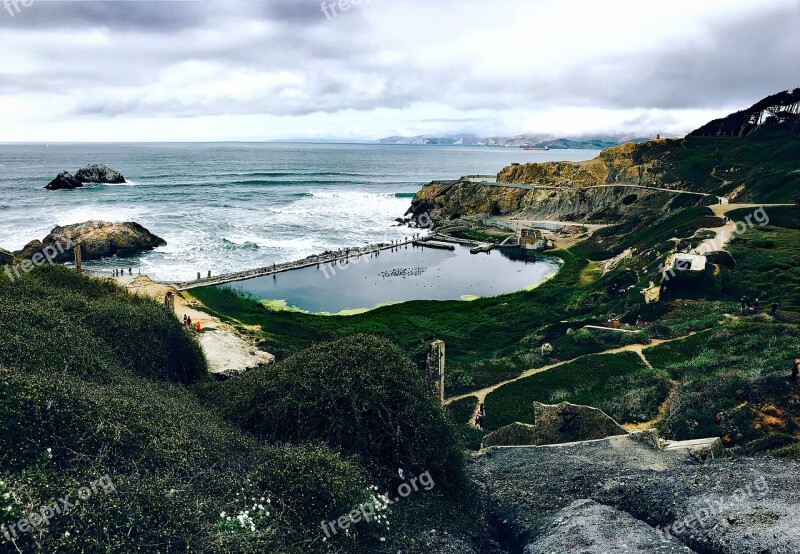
x=545 y=149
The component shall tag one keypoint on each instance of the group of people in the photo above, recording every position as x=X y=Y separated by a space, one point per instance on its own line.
x=121 y=272
x=187 y=322
x=750 y=307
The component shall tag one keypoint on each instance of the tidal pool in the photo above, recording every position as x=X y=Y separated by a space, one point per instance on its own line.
x=400 y=275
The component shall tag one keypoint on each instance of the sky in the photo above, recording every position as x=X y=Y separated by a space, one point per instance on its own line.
x=252 y=70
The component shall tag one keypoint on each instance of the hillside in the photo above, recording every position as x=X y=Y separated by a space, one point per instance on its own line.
x=99 y=386
x=759 y=163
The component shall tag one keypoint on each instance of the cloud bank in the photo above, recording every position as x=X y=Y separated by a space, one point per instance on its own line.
x=283 y=69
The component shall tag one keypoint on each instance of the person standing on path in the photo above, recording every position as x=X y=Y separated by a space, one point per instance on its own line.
x=479 y=416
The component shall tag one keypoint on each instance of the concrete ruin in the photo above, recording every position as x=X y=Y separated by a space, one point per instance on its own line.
x=435 y=365
x=557 y=424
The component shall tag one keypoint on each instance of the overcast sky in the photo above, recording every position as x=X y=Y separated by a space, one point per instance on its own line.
x=283 y=69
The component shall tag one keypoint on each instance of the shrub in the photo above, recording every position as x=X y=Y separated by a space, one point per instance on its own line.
x=362 y=396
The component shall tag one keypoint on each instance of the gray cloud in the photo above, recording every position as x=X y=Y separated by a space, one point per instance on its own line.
x=184 y=59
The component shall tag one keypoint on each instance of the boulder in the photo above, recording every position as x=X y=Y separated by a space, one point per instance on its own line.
x=516 y=434
x=98 y=239
x=64 y=181
x=722 y=259
x=6 y=257
x=558 y=424
x=29 y=250
x=565 y=422
x=99 y=173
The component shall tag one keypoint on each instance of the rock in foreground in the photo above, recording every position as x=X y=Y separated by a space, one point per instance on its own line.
x=64 y=181
x=624 y=494
x=6 y=257
x=99 y=173
x=98 y=239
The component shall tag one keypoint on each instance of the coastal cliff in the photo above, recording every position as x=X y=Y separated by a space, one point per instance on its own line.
x=760 y=162
x=631 y=164
x=450 y=200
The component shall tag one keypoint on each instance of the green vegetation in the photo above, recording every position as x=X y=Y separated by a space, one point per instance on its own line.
x=765 y=162
x=485 y=234
x=362 y=396
x=646 y=233
x=733 y=381
x=461 y=412
x=79 y=401
x=620 y=384
x=767 y=262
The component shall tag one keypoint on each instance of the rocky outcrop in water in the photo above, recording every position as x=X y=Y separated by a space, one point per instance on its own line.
x=99 y=173
x=92 y=173
x=30 y=250
x=98 y=239
x=64 y=181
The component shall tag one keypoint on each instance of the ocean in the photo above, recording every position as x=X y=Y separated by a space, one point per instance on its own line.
x=233 y=206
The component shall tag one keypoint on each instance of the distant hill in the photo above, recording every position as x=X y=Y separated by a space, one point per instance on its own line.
x=536 y=141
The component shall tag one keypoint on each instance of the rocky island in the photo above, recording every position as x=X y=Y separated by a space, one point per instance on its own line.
x=92 y=173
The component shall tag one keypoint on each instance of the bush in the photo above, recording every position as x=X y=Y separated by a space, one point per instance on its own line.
x=362 y=396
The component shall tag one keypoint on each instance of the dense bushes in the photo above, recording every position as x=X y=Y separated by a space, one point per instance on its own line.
x=84 y=393
x=362 y=396
x=56 y=320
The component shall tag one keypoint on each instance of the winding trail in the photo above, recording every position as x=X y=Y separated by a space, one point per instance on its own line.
x=635 y=348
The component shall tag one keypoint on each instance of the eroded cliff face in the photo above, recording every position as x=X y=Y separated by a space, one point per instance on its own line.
x=631 y=164
x=448 y=200
x=580 y=194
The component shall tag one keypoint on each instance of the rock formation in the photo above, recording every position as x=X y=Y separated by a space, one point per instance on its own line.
x=557 y=424
x=6 y=257
x=99 y=173
x=92 y=173
x=443 y=200
x=64 y=181
x=516 y=434
x=98 y=239
x=621 y=494
x=30 y=249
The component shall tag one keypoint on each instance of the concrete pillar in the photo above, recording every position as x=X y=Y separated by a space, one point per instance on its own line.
x=435 y=368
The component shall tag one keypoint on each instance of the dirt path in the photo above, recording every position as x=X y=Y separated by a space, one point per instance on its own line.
x=725 y=233
x=663 y=409
x=635 y=348
x=227 y=351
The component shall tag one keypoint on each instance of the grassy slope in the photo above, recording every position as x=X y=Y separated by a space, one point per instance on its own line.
x=727 y=376
x=92 y=382
x=766 y=162
x=621 y=384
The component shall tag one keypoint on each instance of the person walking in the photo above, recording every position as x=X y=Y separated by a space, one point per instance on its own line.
x=479 y=416
x=743 y=303
x=756 y=304
x=774 y=309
